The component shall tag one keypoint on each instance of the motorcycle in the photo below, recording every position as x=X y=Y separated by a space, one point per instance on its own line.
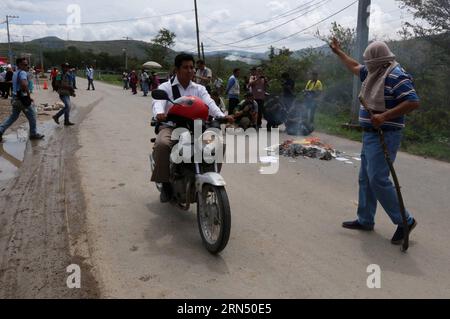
x=197 y=183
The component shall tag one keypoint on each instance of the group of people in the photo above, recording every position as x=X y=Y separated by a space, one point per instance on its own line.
x=6 y=78
x=256 y=88
x=147 y=82
x=21 y=99
x=21 y=86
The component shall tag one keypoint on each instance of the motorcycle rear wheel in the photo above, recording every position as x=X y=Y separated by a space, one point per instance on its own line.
x=214 y=218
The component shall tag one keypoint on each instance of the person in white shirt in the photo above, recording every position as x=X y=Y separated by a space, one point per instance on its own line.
x=184 y=66
x=218 y=85
x=203 y=75
x=145 y=82
x=90 y=77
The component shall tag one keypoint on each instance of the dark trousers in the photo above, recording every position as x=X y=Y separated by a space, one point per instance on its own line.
x=260 y=111
x=6 y=89
x=232 y=105
x=134 y=88
x=91 y=82
x=311 y=106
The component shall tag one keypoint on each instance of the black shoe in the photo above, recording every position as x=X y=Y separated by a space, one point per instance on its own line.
x=166 y=193
x=357 y=226
x=399 y=234
x=56 y=119
x=69 y=124
x=1 y=138
x=36 y=137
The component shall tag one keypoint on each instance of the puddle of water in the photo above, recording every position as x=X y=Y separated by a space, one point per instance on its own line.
x=14 y=146
x=12 y=152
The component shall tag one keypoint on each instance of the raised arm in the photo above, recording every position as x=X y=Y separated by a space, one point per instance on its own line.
x=349 y=62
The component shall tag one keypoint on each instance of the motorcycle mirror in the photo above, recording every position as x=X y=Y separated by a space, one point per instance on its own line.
x=160 y=95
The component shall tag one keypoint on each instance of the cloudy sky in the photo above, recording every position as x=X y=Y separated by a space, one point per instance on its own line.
x=229 y=24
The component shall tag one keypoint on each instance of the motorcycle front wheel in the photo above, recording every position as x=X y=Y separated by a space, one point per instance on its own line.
x=214 y=217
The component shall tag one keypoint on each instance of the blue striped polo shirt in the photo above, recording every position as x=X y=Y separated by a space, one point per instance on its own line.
x=398 y=88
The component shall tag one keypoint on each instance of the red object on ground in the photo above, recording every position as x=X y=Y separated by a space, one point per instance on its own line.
x=45 y=85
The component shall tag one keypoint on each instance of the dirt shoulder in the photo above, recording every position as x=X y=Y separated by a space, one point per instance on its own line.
x=42 y=222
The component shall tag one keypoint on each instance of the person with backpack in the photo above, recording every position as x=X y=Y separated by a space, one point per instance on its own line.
x=21 y=101
x=64 y=84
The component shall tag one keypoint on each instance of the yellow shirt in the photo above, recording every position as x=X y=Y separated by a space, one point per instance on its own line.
x=314 y=86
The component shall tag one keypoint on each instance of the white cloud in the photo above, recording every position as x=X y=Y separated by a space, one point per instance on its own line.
x=19 y=6
x=278 y=6
x=216 y=21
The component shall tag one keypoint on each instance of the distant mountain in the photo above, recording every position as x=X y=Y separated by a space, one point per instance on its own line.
x=134 y=48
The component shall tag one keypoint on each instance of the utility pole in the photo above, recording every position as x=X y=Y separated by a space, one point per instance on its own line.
x=126 y=52
x=198 y=32
x=203 y=53
x=10 y=55
x=362 y=40
x=41 y=56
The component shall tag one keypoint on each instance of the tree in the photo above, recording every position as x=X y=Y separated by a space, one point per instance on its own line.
x=437 y=15
x=160 y=45
x=345 y=36
x=435 y=12
x=164 y=38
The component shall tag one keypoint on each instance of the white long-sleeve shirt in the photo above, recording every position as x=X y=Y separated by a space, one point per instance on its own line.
x=90 y=73
x=193 y=89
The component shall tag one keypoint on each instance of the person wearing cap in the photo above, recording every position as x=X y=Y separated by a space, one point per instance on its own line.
x=64 y=83
x=20 y=95
x=389 y=93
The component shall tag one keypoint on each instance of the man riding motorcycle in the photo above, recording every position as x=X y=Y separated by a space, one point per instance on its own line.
x=180 y=85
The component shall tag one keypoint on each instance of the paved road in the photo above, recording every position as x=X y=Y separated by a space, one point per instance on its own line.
x=286 y=240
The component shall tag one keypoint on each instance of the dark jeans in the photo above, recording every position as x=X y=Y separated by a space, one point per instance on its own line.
x=232 y=105
x=66 y=109
x=260 y=111
x=311 y=106
x=375 y=185
x=91 y=82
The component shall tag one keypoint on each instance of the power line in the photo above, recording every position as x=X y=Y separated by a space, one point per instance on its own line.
x=318 y=5
x=274 y=18
x=104 y=22
x=301 y=31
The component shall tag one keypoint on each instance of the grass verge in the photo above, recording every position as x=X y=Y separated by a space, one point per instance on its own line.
x=435 y=147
